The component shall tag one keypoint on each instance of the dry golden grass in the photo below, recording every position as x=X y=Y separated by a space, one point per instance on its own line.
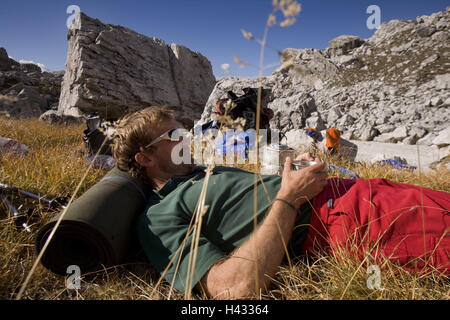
x=54 y=168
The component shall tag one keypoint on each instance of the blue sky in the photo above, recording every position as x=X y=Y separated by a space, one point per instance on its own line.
x=36 y=30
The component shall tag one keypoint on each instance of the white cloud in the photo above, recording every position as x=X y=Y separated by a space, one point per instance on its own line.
x=42 y=66
x=225 y=67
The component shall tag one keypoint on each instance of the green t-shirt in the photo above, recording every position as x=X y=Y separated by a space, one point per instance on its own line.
x=227 y=223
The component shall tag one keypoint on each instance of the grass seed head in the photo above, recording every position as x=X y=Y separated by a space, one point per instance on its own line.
x=247 y=35
x=271 y=20
x=288 y=22
x=239 y=61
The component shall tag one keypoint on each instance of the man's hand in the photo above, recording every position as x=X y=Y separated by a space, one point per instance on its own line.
x=298 y=186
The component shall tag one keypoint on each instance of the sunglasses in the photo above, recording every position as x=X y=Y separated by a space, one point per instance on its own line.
x=166 y=136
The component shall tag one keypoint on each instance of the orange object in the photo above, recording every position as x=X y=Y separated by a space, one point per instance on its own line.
x=333 y=139
x=218 y=104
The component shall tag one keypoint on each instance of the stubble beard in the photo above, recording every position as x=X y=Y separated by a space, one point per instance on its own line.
x=177 y=170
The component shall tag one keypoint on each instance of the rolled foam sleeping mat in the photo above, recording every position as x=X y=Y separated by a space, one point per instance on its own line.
x=97 y=229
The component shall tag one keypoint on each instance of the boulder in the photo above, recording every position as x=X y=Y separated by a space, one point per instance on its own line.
x=385 y=138
x=112 y=70
x=444 y=152
x=447 y=102
x=418 y=132
x=334 y=114
x=436 y=101
x=441 y=36
x=368 y=133
x=297 y=139
x=410 y=140
x=291 y=107
x=315 y=121
x=345 y=59
x=291 y=111
x=426 y=31
x=426 y=140
x=344 y=44
x=400 y=133
x=300 y=141
x=54 y=117
x=402 y=47
x=346 y=121
x=443 y=139
x=236 y=85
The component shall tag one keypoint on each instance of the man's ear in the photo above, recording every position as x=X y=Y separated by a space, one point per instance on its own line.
x=144 y=160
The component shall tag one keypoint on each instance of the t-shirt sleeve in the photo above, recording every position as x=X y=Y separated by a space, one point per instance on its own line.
x=162 y=233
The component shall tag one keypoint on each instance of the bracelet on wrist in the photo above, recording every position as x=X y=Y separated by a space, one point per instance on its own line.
x=286 y=202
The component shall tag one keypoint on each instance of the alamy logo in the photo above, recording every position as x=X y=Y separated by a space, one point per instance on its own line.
x=374 y=281
x=374 y=20
x=218 y=147
x=73 y=10
x=73 y=281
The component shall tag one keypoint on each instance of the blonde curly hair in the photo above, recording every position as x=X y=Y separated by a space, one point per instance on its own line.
x=134 y=131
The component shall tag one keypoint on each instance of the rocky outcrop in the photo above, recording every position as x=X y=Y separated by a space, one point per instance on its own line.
x=344 y=44
x=112 y=70
x=25 y=90
x=6 y=63
x=392 y=87
x=395 y=84
x=291 y=109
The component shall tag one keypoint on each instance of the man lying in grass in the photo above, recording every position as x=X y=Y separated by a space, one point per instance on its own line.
x=239 y=248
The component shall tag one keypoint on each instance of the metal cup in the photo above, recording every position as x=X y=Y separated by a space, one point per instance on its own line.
x=274 y=156
x=300 y=164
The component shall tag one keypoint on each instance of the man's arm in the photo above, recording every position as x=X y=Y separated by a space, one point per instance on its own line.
x=252 y=266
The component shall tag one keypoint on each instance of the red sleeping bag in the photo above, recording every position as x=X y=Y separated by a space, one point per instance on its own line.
x=407 y=224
